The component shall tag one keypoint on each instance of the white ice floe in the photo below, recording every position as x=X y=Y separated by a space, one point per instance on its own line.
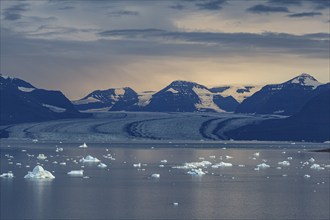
x=289 y=158
x=241 y=165
x=58 y=149
x=76 y=172
x=89 y=159
x=222 y=164
x=305 y=163
x=137 y=165
x=39 y=173
x=163 y=161
x=41 y=157
x=263 y=166
x=278 y=168
x=312 y=160
x=84 y=145
x=194 y=165
x=284 y=163
x=155 y=175
x=307 y=176
x=161 y=165
x=175 y=203
x=256 y=154
x=316 y=166
x=7 y=175
x=63 y=163
x=228 y=157
x=196 y=172
x=102 y=165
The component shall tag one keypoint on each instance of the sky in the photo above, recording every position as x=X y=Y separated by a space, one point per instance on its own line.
x=80 y=46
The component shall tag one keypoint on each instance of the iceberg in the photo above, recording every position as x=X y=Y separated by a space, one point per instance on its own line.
x=196 y=172
x=263 y=166
x=102 y=165
x=39 y=173
x=194 y=165
x=312 y=160
x=89 y=159
x=307 y=176
x=222 y=164
x=284 y=163
x=7 y=175
x=316 y=167
x=41 y=157
x=84 y=145
x=256 y=154
x=76 y=172
x=163 y=161
x=137 y=165
x=155 y=176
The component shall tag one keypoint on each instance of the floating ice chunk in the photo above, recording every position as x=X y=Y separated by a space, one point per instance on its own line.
x=175 y=203
x=55 y=162
x=263 y=166
x=284 y=163
x=89 y=159
x=278 y=168
x=228 y=157
x=7 y=175
x=163 y=161
x=41 y=157
x=312 y=160
x=102 y=165
x=155 y=176
x=18 y=164
x=305 y=163
x=76 y=172
x=307 y=176
x=196 y=172
x=58 y=149
x=241 y=165
x=256 y=154
x=327 y=166
x=63 y=163
x=137 y=165
x=161 y=165
x=316 y=166
x=289 y=158
x=222 y=164
x=212 y=156
x=39 y=173
x=35 y=140
x=84 y=145
x=194 y=165
x=23 y=150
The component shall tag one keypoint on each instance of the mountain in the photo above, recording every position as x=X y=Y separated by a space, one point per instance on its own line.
x=184 y=96
x=311 y=123
x=286 y=98
x=239 y=93
x=22 y=102
x=111 y=99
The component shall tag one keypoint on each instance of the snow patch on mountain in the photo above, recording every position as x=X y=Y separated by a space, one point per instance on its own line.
x=172 y=90
x=54 y=108
x=238 y=92
x=305 y=80
x=145 y=97
x=25 y=89
x=120 y=92
x=206 y=99
x=85 y=101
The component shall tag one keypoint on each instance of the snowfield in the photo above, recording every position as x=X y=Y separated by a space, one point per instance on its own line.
x=112 y=126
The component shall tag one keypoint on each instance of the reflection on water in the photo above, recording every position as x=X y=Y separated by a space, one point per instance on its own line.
x=122 y=191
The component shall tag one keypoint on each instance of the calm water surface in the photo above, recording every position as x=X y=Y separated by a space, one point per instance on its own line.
x=122 y=191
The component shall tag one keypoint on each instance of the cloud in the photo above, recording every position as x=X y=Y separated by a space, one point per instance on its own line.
x=177 y=7
x=320 y=4
x=211 y=5
x=285 y=2
x=123 y=13
x=267 y=9
x=66 y=8
x=268 y=42
x=304 y=14
x=15 y=12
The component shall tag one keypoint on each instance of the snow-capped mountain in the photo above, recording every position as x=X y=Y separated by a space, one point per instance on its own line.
x=22 y=102
x=238 y=92
x=114 y=99
x=184 y=96
x=286 y=98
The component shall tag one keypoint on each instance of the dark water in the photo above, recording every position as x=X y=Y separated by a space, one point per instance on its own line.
x=122 y=191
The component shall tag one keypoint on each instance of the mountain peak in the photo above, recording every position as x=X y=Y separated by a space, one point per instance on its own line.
x=305 y=79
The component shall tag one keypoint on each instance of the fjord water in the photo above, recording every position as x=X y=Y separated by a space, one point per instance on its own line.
x=122 y=191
